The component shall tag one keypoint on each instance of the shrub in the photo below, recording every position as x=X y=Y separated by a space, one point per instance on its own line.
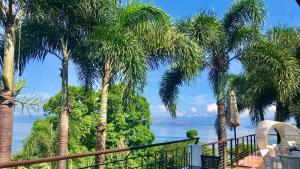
x=191 y=133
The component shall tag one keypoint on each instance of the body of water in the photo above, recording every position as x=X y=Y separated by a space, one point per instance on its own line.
x=168 y=129
x=164 y=128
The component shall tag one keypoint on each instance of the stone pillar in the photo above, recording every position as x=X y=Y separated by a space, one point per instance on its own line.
x=195 y=152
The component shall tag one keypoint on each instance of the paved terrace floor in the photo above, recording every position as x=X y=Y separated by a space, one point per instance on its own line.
x=251 y=162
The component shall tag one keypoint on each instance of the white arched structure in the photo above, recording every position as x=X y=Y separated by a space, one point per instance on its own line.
x=287 y=132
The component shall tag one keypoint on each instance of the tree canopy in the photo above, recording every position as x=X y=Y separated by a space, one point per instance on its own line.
x=127 y=125
x=271 y=75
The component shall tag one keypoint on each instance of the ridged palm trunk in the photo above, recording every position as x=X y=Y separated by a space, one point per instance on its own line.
x=7 y=95
x=64 y=119
x=222 y=133
x=101 y=128
x=222 y=121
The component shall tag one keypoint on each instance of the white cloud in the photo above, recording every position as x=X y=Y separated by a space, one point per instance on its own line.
x=245 y=113
x=191 y=113
x=159 y=110
x=270 y=112
x=212 y=108
x=162 y=108
x=194 y=109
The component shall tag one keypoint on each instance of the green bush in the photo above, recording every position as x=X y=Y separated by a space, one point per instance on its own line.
x=128 y=126
x=191 y=133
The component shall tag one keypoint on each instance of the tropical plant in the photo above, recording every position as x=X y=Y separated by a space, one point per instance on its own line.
x=222 y=40
x=271 y=76
x=128 y=125
x=11 y=12
x=138 y=37
x=56 y=28
x=192 y=133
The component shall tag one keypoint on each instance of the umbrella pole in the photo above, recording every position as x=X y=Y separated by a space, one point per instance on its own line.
x=235 y=145
x=234 y=129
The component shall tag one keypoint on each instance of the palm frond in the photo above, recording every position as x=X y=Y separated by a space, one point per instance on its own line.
x=169 y=89
x=184 y=24
x=32 y=44
x=136 y=12
x=88 y=68
x=244 y=13
x=182 y=72
x=275 y=63
x=252 y=95
x=242 y=37
x=165 y=44
x=132 y=63
x=123 y=51
x=206 y=29
x=286 y=37
x=282 y=112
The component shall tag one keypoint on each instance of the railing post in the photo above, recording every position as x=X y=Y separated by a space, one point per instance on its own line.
x=195 y=151
x=251 y=144
x=255 y=143
x=243 y=149
x=231 y=160
x=237 y=151
x=247 y=145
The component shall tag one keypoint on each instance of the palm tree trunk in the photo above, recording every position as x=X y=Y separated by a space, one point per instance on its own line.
x=222 y=133
x=101 y=128
x=222 y=121
x=64 y=119
x=7 y=95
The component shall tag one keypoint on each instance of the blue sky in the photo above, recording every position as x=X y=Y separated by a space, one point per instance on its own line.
x=195 y=99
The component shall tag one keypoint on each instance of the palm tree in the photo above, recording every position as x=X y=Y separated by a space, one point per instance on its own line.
x=56 y=28
x=11 y=11
x=272 y=75
x=138 y=37
x=222 y=40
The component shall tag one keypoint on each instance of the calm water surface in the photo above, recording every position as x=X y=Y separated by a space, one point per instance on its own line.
x=164 y=128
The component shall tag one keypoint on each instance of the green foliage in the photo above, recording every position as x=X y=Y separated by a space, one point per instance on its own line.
x=127 y=125
x=138 y=37
x=271 y=77
x=219 y=38
x=192 y=133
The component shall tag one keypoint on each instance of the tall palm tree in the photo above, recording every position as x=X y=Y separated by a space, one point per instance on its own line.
x=11 y=11
x=137 y=38
x=56 y=28
x=222 y=40
x=272 y=75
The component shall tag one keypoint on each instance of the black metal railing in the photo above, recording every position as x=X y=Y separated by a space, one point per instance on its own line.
x=168 y=155
x=232 y=150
